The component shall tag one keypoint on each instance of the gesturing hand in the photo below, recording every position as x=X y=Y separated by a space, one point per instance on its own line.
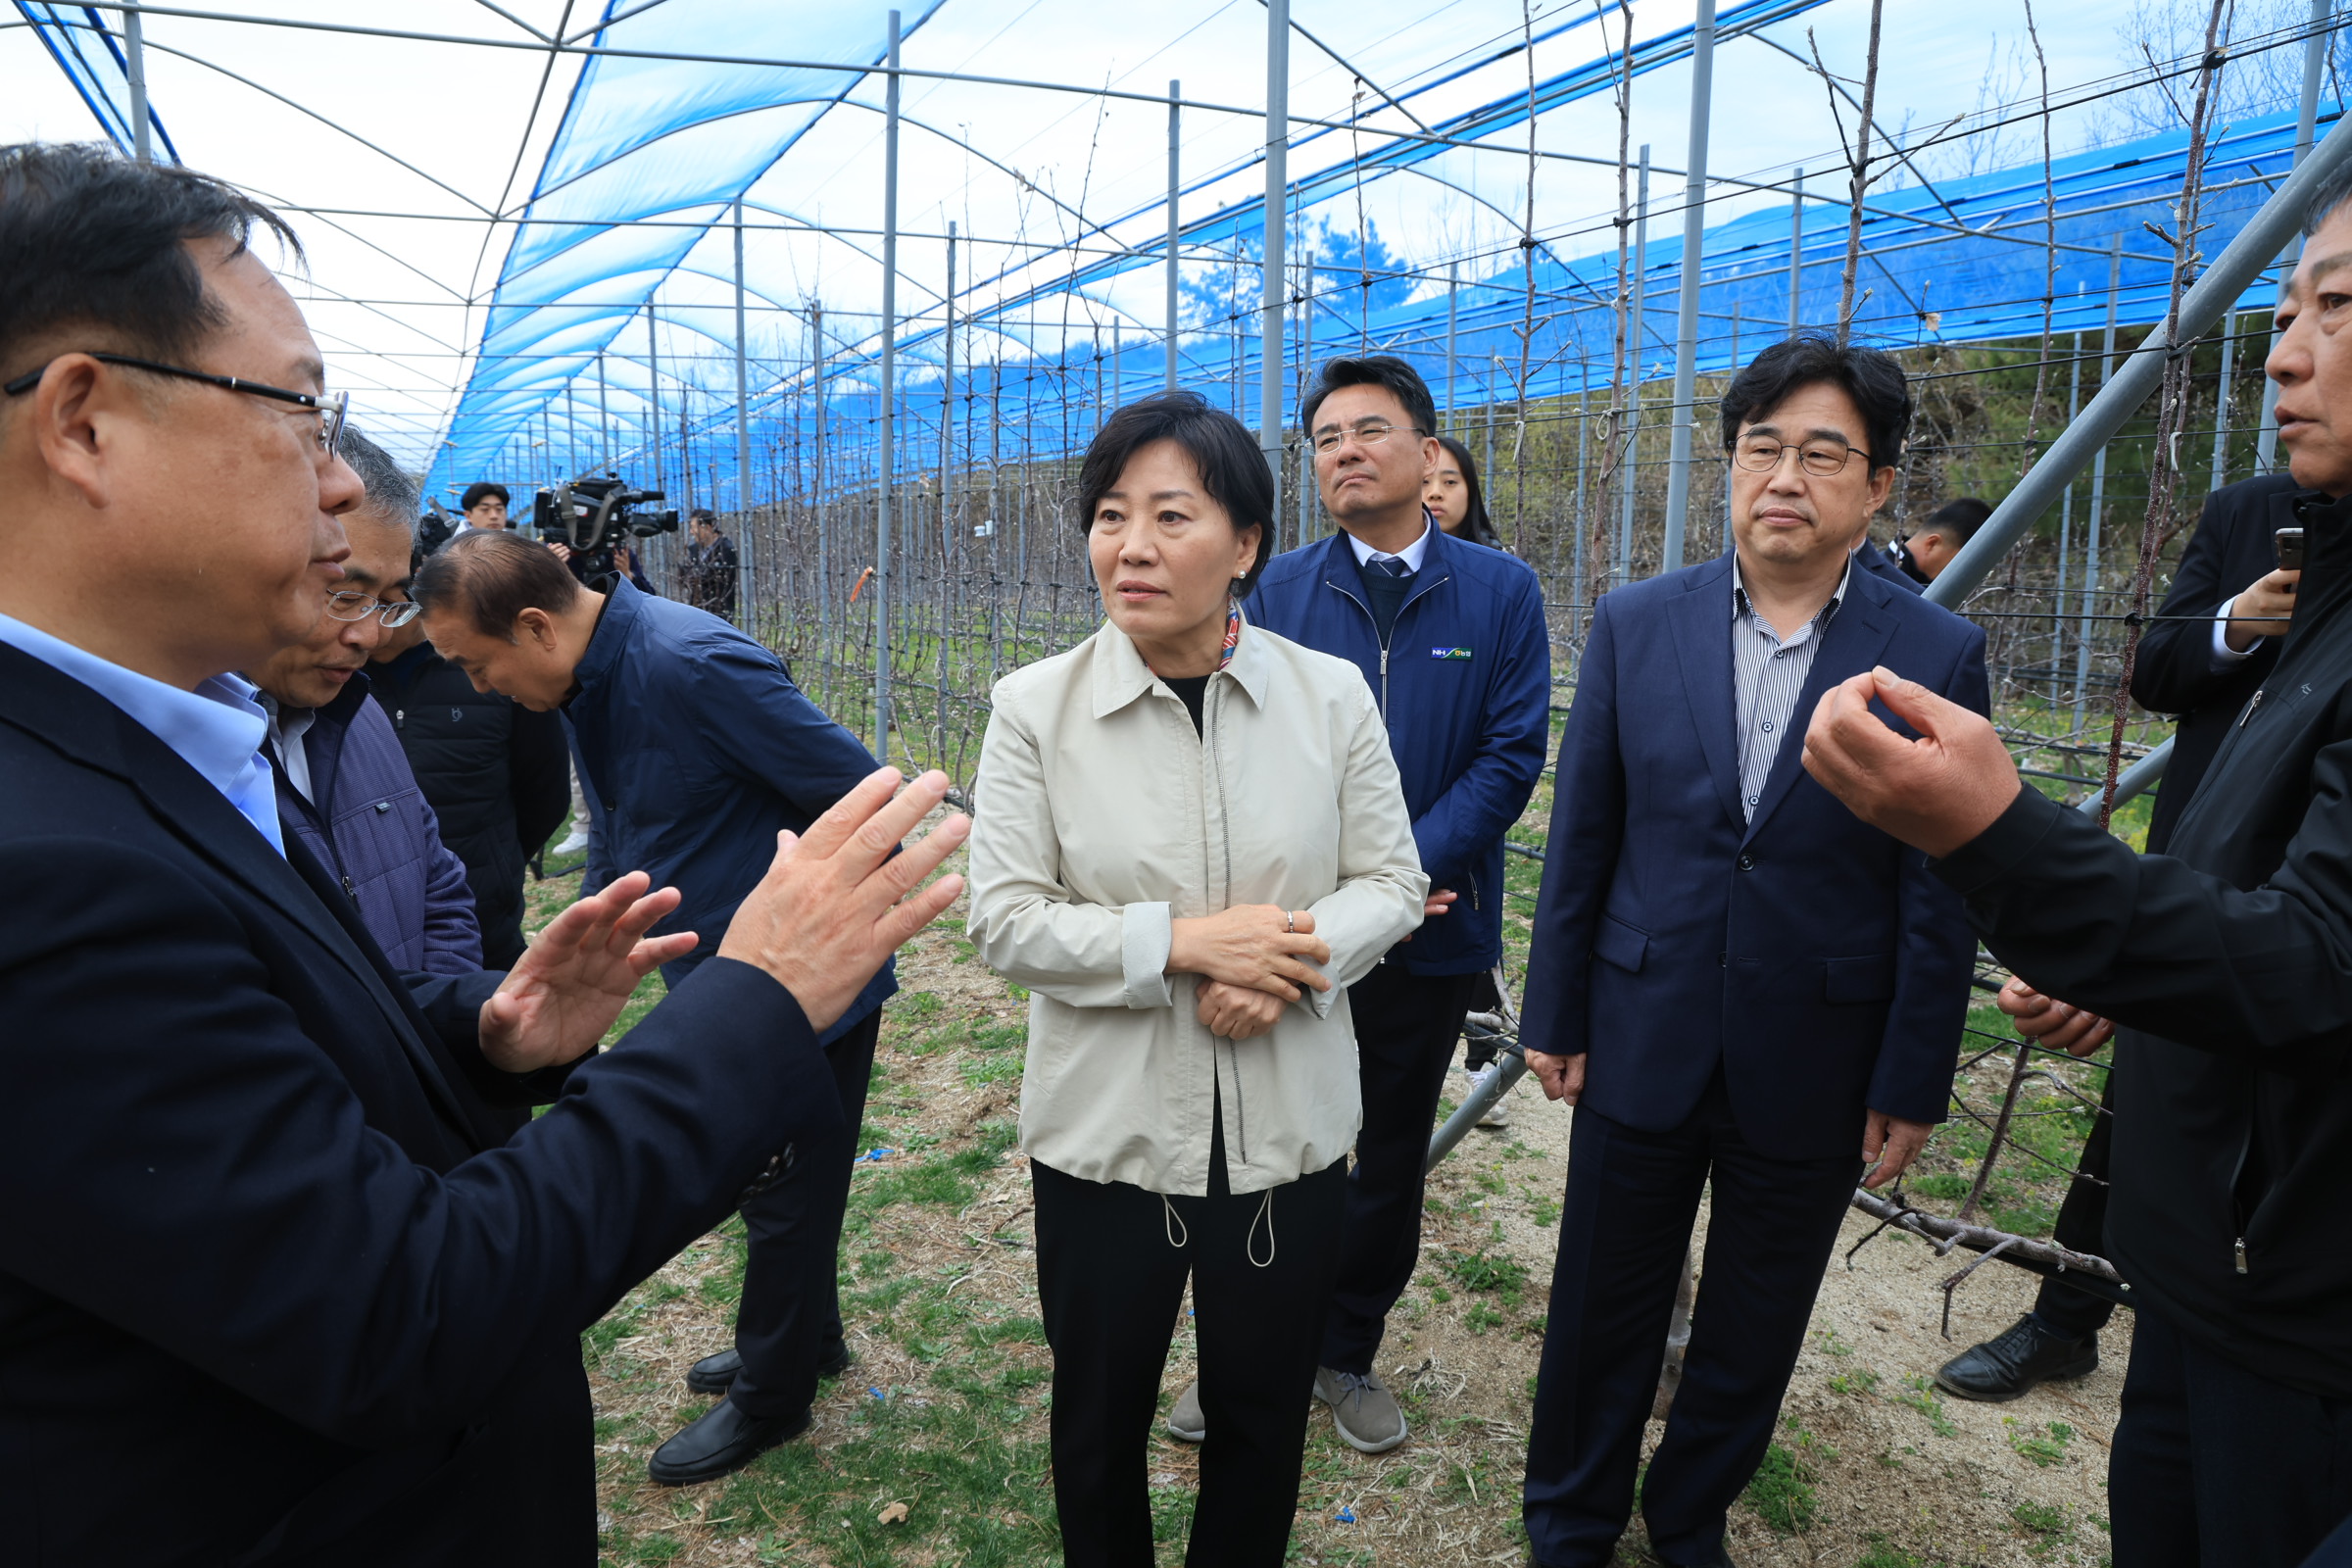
x=1237 y=1013
x=1252 y=944
x=2051 y=1022
x=574 y=979
x=836 y=902
x=2262 y=611
x=1935 y=793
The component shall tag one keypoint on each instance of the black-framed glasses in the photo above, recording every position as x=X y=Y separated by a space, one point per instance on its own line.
x=348 y=603
x=1368 y=433
x=1822 y=459
x=331 y=407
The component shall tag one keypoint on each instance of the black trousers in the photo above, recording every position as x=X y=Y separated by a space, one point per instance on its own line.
x=1405 y=1027
x=790 y=1315
x=1632 y=1199
x=1111 y=1262
x=2082 y=1226
x=2214 y=1467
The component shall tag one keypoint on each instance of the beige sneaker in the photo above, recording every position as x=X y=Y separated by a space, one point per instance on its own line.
x=1184 y=1423
x=1362 y=1408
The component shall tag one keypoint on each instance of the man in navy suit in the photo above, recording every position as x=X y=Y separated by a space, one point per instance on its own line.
x=274 y=1287
x=1738 y=984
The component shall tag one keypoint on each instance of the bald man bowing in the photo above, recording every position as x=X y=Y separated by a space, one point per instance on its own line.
x=2227 y=963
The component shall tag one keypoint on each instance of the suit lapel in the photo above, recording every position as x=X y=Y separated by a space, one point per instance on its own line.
x=1702 y=615
x=75 y=720
x=1856 y=636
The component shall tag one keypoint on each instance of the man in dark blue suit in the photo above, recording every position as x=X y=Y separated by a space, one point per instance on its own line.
x=1738 y=984
x=275 y=1287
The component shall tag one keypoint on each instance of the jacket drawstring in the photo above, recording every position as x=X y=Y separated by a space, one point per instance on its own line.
x=1266 y=1212
x=1173 y=1224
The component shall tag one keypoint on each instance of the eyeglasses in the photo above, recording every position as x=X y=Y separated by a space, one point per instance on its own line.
x=330 y=405
x=1819 y=459
x=1370 y=433
x=348 y=603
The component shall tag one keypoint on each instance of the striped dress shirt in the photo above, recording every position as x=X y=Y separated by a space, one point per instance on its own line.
x=1767 y=675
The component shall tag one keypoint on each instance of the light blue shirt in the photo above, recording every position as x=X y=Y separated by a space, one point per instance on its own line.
x=217 y=729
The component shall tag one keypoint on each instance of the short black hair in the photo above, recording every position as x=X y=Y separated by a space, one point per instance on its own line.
x=2326 y=197
x=1232 y=469
x=482 y=490
x=703 y=514
x=494 y=576
x=1955 y=520
x=1477 y=526
x=1374 y=369
x=1870 y=378
x=98 y=242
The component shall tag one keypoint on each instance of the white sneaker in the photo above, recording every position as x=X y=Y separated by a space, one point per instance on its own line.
x=577 y=844
x=1498 y=1114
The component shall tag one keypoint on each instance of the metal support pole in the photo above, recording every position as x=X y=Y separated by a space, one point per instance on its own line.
x=2220 y=404
x=652 y=392
x=1797 y=252
x=2229 y=275
x=1309 y=491
x=134 y=70
x=604 y=416
x=947 y=416
x=1631 y=468
x=817 y=479
x=888 y=399
x=1454 y=290
x=1686 y=327
x=1175 y=113
x=1278 y=211
x=2098 y=497
x=2307 y=113
x=743 y=436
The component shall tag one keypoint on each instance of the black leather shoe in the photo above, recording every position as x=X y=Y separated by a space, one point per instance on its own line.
x=2017 y=1363
x=720 y=1442
x=717 y=1374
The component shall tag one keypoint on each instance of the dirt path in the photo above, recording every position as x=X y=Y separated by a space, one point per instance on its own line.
x=945 y=1409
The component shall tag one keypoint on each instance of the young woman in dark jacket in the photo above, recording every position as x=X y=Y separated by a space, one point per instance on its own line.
x=1455 y=498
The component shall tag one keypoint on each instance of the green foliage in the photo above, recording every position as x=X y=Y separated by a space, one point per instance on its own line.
x=1503 y=1276
x=1884 y=1554
x=1923 y=1398
x=1782 y=1492
x=2042 y=1451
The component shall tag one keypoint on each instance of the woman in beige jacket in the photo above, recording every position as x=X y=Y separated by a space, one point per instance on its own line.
x=1190 y=841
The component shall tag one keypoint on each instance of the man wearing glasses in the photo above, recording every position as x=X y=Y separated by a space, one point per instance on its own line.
x=271 y=1293
x=1451 y=637
x=1739 y=985
x=343 y=783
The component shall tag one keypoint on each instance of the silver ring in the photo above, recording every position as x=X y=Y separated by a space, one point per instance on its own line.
x=1290 y=922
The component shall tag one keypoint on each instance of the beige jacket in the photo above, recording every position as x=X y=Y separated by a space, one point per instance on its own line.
x=1101 y=817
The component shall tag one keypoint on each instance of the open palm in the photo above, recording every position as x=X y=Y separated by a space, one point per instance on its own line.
x=574 y=979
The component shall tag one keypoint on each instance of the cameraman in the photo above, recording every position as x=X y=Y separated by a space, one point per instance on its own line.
x=698 y=750
x=711 y=568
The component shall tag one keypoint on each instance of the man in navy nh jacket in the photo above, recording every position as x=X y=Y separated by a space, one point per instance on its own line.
x=343 y=782
x=1452 y=637
x=1739 y=984
x=697 y=750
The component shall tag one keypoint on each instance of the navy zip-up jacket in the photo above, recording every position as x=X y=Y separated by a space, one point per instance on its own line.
x=697 y=748
x=1464 y=685
x=368 y=824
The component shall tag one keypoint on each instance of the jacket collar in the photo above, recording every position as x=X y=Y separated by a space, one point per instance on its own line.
x=1120 y=675
x=613 y=628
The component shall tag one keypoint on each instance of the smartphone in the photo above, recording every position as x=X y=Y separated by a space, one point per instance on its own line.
x=2290 y=548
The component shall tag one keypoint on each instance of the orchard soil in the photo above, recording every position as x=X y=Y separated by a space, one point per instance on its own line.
x=931 y=1449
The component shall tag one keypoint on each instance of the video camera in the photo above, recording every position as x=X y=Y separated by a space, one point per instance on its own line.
x=591 y=515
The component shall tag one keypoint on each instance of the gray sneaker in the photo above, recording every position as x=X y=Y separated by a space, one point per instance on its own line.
x=1184 y=1423
x=1362 y=1408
